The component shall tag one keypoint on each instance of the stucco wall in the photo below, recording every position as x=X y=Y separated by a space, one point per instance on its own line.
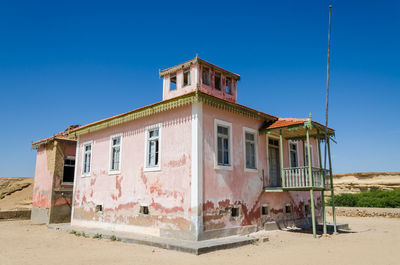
x=165 y=192
x=180 y=90
x=43 y=176
x=51 y=202
x=225 y=188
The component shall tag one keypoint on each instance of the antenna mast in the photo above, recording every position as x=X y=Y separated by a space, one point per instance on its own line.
x=327 y=85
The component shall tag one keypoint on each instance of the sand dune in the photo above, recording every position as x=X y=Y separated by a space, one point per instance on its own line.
x=15 y=193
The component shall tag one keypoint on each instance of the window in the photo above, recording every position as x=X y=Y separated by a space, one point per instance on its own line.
x=69 y=168
x=87 y=158
x=235 y=211
x=206 y=76
x=153 y=135
x=172 y=82
x=115 y=159
x=217 y=81
x=228 y=86
x=293 y=154
x=186 y=78
x=264 y=210
x=273 y=142
x=306 y=155
x=144 y=210
x=306 y=209
x=288 y=208
x=99 y=208
x=250 y=140
x=223 y=146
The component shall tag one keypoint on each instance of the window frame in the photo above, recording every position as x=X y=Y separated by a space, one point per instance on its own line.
x=170 y=82
x=187 y=70
x=113 y=171
x=83 y=173
x=230 y=87
x=147 y=167
x=255 y=133
x=290 y=153
x=209 y=76
x=306 y=154
x=222 y=123
x=220 y=81
x=71 y=158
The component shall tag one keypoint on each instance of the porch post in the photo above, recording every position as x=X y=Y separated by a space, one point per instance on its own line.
x=281 y=156
x=322 y=174
x=311 y=183
x=332 y=192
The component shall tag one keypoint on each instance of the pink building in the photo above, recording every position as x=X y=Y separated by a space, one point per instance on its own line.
x=196 y=165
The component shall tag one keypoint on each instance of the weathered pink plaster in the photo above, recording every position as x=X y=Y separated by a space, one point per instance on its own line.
x=166 y=192
x=197 y=81
x=42 y=188
x=224 y=188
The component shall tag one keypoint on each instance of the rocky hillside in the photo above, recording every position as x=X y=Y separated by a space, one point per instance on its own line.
x=359 y=182
x=15 y=193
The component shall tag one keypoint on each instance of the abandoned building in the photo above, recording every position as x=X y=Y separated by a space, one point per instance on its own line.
x=194 y=166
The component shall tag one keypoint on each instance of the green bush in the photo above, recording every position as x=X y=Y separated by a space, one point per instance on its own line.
x=374 y=198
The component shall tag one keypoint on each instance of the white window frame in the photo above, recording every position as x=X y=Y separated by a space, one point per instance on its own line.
x=86 y=174
x=252 y=131
x=147 y=167
x=297 y=153
x=111 y=171
x=224 y=124
x=306 y=154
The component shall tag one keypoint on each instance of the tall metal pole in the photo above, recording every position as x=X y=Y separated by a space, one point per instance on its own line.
x=327 y=85
x=327 y=147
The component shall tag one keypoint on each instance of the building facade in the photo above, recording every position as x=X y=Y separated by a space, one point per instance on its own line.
x=197 y=165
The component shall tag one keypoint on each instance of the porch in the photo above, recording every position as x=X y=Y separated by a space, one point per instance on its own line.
x=311 y=176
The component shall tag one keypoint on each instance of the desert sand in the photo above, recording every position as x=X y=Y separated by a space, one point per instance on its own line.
x=16 y=193
x=370 y=241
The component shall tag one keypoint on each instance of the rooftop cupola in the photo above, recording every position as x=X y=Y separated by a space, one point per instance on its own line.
x=209 y=78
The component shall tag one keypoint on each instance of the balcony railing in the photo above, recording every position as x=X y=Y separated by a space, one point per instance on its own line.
x=298 y=177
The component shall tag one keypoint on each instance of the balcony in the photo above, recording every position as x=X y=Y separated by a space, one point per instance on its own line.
x=298 y=178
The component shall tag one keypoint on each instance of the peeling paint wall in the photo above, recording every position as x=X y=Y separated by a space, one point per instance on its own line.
x=166 y=192
x=236 y=187
x=43 y=177
x=51 y=201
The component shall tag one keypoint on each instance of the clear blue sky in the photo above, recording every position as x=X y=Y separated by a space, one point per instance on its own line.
x=69 y=62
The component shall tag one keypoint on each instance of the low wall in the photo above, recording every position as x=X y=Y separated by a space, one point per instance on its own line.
x=25 y=214
x=360 y=182
x=365 y=212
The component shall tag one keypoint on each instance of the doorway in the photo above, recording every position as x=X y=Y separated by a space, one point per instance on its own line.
x=274 y=163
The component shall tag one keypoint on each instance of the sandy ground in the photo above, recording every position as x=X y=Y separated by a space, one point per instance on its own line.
x=374 y=241
x=17 y=193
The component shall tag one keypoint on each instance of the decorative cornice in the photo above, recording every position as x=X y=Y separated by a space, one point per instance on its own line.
x=196 y=96
x=197 y=60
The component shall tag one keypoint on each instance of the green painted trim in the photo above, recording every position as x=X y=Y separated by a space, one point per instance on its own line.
x=283 y=180
x=311 y=182
x=173 y=103
x=332 y=188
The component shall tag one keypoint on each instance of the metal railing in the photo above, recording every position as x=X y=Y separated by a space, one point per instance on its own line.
x=298 y=177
